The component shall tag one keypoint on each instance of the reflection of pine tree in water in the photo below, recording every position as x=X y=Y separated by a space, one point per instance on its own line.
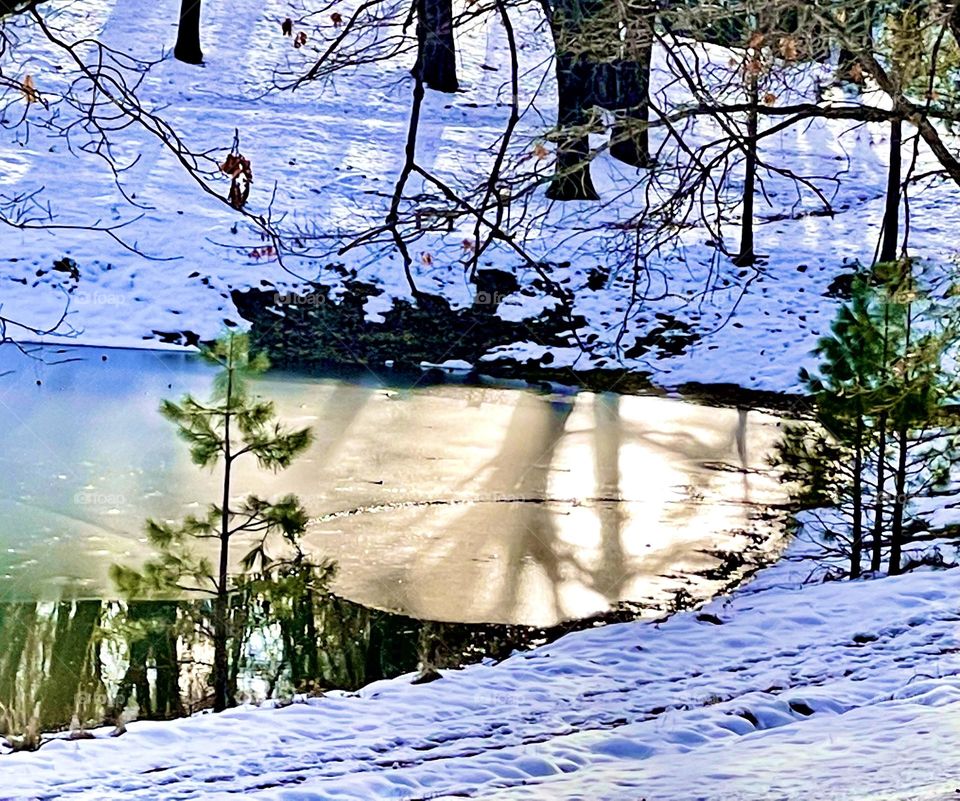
x=72 y=662
x=324 y=640
x=49 y=668
x=319 y=642
x=17 y=622
x=154 y=636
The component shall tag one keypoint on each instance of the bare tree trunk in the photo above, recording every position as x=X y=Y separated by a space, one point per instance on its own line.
x=187 y=48
x=891 y=214
x=575 y=75
x=900 y=479
x=630 y=139
x=571 y=180
x=896 y=524
x=876 y=557
x=221 y=678
x=747 y=255
x=856 y=546
x=436 y=50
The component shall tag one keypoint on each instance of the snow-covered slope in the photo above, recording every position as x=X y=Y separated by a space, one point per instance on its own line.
x=325 y=154
x=829 y=691
x=832 y=691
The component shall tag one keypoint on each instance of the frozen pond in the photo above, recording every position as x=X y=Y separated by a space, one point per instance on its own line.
x=443 y=502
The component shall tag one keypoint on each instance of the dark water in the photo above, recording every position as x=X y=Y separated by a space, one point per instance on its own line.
x=81 y=664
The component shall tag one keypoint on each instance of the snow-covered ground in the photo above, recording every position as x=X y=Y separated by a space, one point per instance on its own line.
x=830 y=691
x=325 y=154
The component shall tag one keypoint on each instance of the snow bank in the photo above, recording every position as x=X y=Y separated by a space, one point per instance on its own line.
x=324 y=155
x=827 y=691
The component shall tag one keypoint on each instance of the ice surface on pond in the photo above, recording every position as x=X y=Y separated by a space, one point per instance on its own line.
x=459 y=503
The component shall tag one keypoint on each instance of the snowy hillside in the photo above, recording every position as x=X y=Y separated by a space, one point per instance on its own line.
x=783 y=689
x=325 y=154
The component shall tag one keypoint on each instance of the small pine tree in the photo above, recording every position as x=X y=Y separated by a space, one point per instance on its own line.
x=233 y=424
x=881 y=400
x=847 y=387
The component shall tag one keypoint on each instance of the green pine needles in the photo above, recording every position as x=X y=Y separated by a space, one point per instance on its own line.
x=232 y=425
x=885 y=430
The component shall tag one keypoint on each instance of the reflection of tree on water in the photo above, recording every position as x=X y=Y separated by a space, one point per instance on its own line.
x=72 y=662
x=563 y=553
x=76 y=665
x=20 y=676
x=704 y=461
x=152 y=641
x=308 y=639
x=82 y=664
x=17 y=622
x=289 y=634
x=609 y=577
x=49 y=666
x=521 y=469
x=342 y=407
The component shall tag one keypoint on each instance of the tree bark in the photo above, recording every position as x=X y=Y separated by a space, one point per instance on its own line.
x=747 y=255
x=436 y=62
x=630 y=139
x=876 y=557
x=896 y=524
x=187 y=48
x=856 y=545
x=575 y=78
x=891 y=214
x=221 y=675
